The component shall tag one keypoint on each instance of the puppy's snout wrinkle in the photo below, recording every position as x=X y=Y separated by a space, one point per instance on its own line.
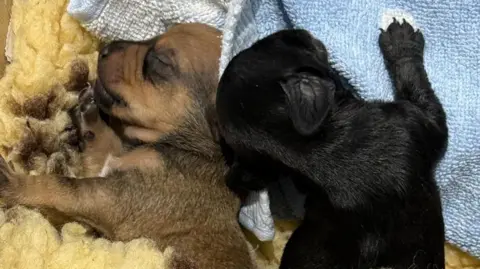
x=111 y=48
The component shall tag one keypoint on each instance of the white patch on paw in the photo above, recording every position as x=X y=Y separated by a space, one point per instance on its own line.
x=107 y=166
x=400 y=15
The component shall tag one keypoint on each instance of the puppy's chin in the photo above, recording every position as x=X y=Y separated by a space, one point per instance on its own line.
x=104 y=98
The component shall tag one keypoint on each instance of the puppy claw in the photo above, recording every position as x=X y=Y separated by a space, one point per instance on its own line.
x=89 y=136
x=88 y=86
x=408 y=27
x=27 y=122
x=401 y=41
x=88 y=108
x=69 y=128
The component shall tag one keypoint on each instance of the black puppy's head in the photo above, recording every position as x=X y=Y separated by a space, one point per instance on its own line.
x=283 y=80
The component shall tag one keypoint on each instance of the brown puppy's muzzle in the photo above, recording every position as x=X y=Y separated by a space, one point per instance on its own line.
x=153 y=86
x=104 y=98
x=119 y=63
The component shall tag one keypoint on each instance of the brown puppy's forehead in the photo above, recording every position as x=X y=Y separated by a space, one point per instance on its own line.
x=194 y=46
x=155 y=84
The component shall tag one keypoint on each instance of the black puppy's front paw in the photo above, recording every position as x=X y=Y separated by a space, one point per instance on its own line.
x=242 y=181
x=401 y=41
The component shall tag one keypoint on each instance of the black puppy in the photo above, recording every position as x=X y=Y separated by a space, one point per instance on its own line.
x=367 y=167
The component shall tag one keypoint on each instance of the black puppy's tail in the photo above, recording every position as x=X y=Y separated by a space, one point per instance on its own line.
x=402 y=48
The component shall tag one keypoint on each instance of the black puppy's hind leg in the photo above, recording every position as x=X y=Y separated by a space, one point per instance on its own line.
x=402 y=49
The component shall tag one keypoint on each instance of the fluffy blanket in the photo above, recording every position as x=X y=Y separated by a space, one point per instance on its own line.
x=37 y=87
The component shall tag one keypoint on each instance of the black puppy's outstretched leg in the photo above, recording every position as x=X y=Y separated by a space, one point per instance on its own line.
x=403 y=48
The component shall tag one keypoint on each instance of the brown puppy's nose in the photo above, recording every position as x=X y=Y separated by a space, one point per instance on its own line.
x=112 y=47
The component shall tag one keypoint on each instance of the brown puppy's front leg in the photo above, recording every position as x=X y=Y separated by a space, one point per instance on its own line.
x=84 y=200
x=97 y=140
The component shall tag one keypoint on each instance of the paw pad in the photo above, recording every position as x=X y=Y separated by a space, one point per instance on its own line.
x=401 y=41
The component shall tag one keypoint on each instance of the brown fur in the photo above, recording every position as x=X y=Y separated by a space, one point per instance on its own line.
x=171 y=188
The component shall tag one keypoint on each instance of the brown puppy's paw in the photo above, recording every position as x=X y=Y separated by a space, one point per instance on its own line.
x=86 y=118
x=401 y=41
x=58 y=164
x=88 y=109
x=69 y=135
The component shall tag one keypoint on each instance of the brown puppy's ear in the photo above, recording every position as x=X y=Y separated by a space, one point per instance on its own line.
x=309 y=99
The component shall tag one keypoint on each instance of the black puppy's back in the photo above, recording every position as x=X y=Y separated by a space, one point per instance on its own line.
x=372 y=200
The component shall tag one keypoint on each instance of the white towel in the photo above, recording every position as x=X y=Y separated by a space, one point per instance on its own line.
x=143 y=19
x=255 y=216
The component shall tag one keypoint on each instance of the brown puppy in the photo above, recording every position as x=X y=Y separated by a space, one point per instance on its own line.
x=172 y=188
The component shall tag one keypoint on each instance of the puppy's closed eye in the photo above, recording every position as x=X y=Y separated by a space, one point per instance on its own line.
x=309 y=98
x=158 y=65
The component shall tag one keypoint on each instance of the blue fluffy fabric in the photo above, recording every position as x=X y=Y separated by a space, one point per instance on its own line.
x=350 y=30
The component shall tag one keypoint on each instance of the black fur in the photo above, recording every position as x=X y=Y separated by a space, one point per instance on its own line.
x=367 y=167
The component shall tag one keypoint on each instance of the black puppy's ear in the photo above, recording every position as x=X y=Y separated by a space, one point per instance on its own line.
x=309 y=99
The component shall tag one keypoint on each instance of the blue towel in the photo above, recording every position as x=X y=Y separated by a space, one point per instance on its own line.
x=350 y=30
